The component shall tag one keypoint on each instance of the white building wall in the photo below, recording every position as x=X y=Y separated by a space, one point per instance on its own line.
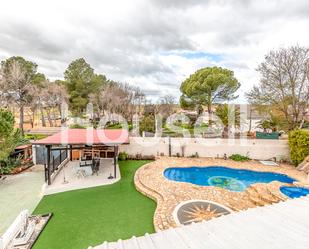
x=254 y=148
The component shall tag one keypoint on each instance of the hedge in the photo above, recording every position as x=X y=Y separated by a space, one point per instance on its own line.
x=299 y=145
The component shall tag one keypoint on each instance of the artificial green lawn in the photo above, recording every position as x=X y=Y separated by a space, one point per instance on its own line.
x=94 y=215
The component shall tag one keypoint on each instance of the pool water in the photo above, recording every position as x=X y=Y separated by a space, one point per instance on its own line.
x=294 y=192
x=227 y=178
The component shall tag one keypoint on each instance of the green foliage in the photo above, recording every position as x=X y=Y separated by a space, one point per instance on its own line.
x=196 y=155
x=18 y=78
x=147 y=124
x=239 y=158
x=299 y=145
x=227 y=115
x=186 y=103
x=77 y=126
x=9 y=136
x=116 y=125
x=209 y=85
x=34 y=136
x=39 y=79
x=8 y=164
x=80 y=81
x=273 y=123
x=28 y=67
x=306 y=125
x=123 y=156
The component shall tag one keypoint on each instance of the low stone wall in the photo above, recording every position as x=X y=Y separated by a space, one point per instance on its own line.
x=206 y=147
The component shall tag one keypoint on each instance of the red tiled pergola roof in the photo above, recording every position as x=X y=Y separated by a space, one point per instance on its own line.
x=85 y=136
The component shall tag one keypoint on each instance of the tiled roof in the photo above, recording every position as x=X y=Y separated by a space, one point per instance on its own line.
x=85 y=136
x=284 y=225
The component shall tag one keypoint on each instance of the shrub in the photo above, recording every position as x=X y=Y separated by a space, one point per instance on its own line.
x=111 y=125
x=123 y=156
x=299 y=145
x=148 y=124
x=28 y=137
x=196 y=155
x=239 y=158
x=9 y=164
x=77 y=126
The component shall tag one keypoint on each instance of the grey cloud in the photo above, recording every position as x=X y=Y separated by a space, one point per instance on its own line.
x=18 y=38
x=177 y=3
x=130 y=48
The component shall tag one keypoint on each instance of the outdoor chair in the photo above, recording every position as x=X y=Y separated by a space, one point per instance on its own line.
x=95 y=165
x=80 y=173
x=85 y=163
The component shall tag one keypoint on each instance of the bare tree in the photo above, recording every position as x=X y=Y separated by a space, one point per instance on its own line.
x=17 y=87
x=284 y=83
x=118 y=98
x=52 y=96
x=166 y=106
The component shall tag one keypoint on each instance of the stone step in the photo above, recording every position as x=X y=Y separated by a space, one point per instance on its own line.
x=265 y=195
x=276 y=196
x=257 y=201
x=255 y=197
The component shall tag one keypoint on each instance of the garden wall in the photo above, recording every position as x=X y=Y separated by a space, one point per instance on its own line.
x=254 y=148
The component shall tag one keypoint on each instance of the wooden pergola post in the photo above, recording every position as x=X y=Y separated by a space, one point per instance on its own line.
x=71 y=153
x=115 y=160
x=48 y=147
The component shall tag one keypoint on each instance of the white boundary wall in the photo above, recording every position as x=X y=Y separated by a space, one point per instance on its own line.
x=262 y=149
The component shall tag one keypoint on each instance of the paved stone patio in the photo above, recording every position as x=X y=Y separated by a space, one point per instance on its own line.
x=150 y=181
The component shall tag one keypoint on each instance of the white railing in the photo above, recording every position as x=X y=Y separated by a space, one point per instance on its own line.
x=19 y=228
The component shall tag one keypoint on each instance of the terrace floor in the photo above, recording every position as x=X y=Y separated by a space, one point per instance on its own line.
x=68 y=179
x=169 y=195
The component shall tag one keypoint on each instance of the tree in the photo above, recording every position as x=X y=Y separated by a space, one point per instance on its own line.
x=186 y=103
x=52 y=96
x=118 y=98
x=209 y=85
x=148 y=124
x=166 y=106
x=9 y=136
x=273 y=123
x=35 y=100
x=17 y=78
x=284 y=83
x=81 y=81
x=228 y=115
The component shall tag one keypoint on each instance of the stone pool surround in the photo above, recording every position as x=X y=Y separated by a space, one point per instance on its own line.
x=151 y=181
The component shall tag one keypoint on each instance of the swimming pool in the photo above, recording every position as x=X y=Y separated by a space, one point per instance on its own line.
x=294 y=192
x=224 y=177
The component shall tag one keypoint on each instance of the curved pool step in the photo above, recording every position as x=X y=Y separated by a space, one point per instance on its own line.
x=266 y=194
x=278 y=196
x=260 y=197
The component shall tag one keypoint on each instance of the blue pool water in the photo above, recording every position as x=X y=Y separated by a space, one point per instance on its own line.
x=228 y=178
x=294 y=192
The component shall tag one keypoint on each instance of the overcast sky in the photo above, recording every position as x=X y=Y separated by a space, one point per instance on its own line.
x=153 y=44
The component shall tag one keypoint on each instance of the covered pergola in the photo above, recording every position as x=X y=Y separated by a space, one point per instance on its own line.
x=91 y=142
